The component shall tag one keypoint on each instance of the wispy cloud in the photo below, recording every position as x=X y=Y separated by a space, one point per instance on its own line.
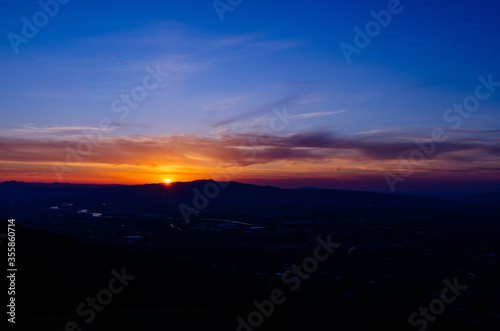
x=61 y=129
x=226 y=148
x=318 y=114
x=308 y=101
x=380 y=131
x=259 y=111
x=224 y=104
x=471 y=131
x=65 y=130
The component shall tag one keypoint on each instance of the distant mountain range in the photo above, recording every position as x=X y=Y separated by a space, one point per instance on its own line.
x=218 y=193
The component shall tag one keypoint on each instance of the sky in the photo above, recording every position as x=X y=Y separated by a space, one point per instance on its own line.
x=371 y=95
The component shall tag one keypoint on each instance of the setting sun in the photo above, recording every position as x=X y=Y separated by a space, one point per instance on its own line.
x=167 y=181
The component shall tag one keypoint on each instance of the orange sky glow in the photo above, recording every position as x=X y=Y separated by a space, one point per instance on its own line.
x=289 y=161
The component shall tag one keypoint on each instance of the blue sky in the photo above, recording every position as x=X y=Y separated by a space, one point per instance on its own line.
x=263 y=55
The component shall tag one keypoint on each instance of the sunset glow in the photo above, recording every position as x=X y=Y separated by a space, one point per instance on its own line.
x=277 y=108
x=214 y=155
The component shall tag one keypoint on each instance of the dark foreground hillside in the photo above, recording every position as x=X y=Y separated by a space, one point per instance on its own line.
x=394 y=255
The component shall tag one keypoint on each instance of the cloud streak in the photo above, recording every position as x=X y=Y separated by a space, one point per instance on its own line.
x=317 y=114
x=258 y=111
x=225 y=149
x=57 y=129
